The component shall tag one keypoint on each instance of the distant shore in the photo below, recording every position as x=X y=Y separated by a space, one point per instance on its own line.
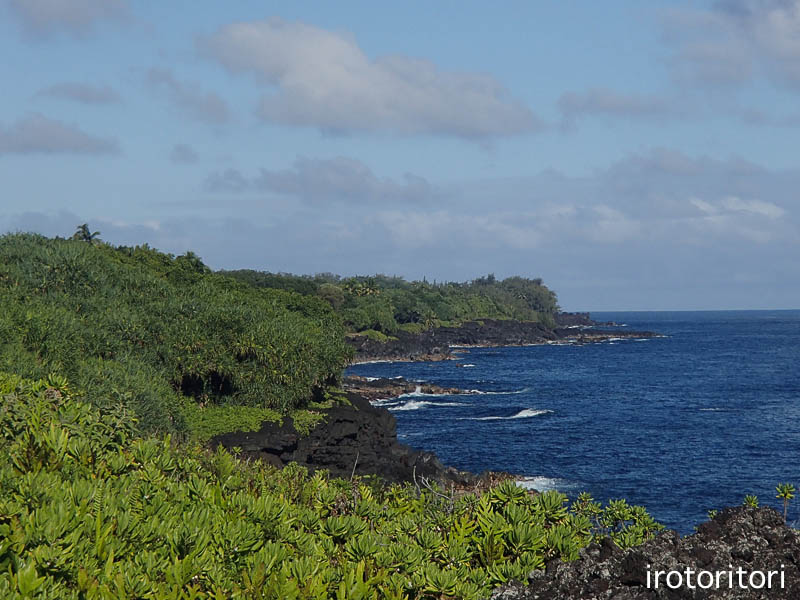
x=442 y=343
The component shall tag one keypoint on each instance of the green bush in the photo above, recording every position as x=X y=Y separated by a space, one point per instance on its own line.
x=89 y=510
x=385 y=304
x=147 y=330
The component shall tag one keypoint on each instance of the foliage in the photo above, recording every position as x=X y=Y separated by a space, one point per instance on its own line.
x=377 y=335
x=750 y=501
x=786 y=493
x=185 y=349
x=90 y=511
x=388 y=304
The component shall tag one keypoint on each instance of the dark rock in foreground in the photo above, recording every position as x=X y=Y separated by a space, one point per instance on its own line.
x=360 y=439
x=738 y=538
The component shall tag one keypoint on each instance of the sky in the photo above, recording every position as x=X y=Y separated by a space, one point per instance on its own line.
x=635 y=155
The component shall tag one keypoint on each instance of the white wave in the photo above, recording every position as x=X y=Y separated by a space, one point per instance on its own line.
x=372 y=362
x=385 y=402
x=483 y=393
x=467 y=365
x=542 y=483
x=418 y=393
x=641 y=340
x=523 y=414
x=417 y=404
x=712 y=409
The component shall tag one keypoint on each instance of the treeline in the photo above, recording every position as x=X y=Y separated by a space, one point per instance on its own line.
x=181 y=347
x=388 y=304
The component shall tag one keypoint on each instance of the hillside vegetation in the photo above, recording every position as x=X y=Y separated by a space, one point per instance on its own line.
x=387 y=304
x=90 y=510
x=184 y=349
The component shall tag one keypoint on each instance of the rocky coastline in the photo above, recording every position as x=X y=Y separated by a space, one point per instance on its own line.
x=360 y=439
x=355 y=438
x=750 y=539
x=384 y=388
x=439 y=343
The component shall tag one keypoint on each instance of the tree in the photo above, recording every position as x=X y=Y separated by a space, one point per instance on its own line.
x=84 y=234
x=785 y=493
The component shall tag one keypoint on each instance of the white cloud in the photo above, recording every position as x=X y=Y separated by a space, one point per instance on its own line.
x=77 y=17
x=735 y=40
x=82 y=92
x=755 y=207
x=39 y=134
x=606 y=102
x=323 y=79
x=320 y=181
x=190 y=98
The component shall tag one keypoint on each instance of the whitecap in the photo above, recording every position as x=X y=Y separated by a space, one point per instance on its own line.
x=712 y=409
x=385 y=402
x=417 y=404
x=467 y=365
x=543 y=484
x=483 y=393
x=523 y=414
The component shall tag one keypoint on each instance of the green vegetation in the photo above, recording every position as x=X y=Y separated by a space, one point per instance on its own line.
x=91 y=510
x=786 y=493
x=185 y=350
x=750 y=501
x=388 y=304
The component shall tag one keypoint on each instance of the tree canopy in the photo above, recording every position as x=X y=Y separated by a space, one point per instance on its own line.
x=159 y=334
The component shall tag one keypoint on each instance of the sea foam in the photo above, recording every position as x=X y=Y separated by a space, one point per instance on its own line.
x=523 y=414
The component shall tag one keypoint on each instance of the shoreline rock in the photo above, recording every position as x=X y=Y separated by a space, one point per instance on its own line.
x=753 y=539
x=384 y=388
x=359 y=439
x=438 y=343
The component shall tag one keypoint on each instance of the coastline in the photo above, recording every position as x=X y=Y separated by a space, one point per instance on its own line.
x=443 y=343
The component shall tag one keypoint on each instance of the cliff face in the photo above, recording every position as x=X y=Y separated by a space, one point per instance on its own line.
x=360 y=439
x=737 y=538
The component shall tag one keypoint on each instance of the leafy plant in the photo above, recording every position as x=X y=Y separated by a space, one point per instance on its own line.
x=786 y=493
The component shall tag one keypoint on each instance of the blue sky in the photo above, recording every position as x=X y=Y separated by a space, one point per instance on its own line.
x=634 y=155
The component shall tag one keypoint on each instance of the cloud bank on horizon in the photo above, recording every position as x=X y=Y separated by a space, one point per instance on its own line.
x=634 y=158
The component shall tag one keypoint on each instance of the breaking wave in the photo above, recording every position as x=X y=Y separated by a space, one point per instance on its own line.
x=523 y=414
x=417 y=404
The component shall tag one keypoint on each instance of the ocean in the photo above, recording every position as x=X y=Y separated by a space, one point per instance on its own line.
x=681 y=424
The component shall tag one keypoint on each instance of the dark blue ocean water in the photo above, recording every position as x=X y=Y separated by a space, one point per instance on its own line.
x=680 y=424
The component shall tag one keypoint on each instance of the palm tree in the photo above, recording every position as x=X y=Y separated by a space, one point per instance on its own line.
x=84 y=234
x=785 y=493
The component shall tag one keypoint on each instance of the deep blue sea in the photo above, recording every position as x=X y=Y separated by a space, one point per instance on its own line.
x=680 y=424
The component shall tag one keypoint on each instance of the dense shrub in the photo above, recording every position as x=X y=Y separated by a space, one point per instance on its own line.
x=146 y=330
x=387 y=304
x=88 y=510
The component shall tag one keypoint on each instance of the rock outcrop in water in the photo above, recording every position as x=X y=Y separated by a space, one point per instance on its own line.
x=360 y=439
x=753 y=540
x=383 y=388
